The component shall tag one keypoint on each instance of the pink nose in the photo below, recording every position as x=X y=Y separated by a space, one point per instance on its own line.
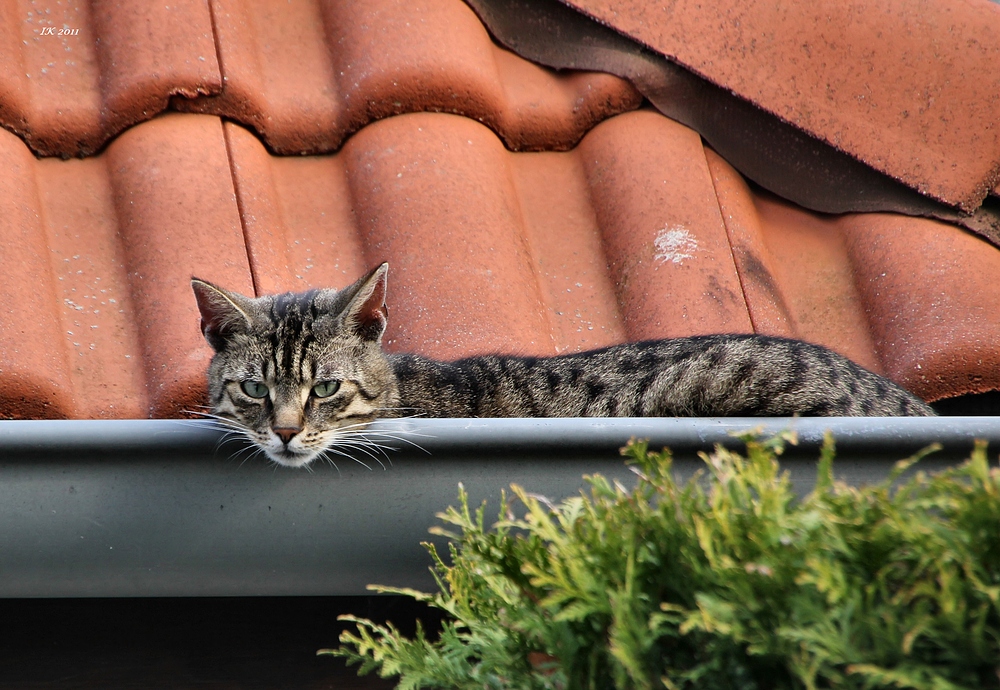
x=286 y=433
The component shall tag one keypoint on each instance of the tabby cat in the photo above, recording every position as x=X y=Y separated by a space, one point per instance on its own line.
x=301 y=374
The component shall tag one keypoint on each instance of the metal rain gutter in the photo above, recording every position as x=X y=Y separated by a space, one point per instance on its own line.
x=170 y=508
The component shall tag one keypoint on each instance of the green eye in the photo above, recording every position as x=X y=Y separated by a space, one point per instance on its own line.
x=255 y=389
x=324 y=389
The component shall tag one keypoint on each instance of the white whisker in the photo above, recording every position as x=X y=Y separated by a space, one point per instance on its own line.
x=362 y=437
x=353 y=426
x=363 y=449
x=330 y=460
x=209 y=415
x=254 y=452
x=231 y=428
x=399 y=435
x=401 y=439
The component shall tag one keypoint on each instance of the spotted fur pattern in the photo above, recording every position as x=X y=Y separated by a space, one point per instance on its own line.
x=302 y=374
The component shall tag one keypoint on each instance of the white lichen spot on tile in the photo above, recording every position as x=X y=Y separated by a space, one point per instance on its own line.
x=674 y=244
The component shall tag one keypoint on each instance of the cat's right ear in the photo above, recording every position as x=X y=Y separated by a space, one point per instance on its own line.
x=366 y=313
x=223 y=313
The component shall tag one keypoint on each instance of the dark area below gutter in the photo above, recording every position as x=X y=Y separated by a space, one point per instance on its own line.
x=171 y=508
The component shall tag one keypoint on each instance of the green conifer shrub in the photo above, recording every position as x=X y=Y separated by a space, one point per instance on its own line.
x=724 y=582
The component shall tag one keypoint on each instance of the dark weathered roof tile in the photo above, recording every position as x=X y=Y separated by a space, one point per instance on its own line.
x=911 y=90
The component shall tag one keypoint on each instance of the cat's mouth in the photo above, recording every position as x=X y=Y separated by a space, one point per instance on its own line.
x=292 y=458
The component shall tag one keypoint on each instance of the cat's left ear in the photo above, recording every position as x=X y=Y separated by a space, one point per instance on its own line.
x=366 y=313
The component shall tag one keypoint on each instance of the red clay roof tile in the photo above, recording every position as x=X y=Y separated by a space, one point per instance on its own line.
x=433 y=197
x=97 y=333
x=33 y=366
x=639 y=231
x=83 y=73
x=177 y=217
x=929 y=293
x=911 y=90
x=565 y=242
x=666 y=242
x=370 y=60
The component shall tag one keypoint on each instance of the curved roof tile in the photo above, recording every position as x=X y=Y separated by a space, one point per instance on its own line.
x=77 y=74
x=304 y=75
x=910 y=89
x=638 y=231
x=376 y=59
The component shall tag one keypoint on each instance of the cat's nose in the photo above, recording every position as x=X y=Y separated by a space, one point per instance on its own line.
x=286 y=433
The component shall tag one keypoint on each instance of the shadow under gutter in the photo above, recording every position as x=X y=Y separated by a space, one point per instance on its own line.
x=166 y=508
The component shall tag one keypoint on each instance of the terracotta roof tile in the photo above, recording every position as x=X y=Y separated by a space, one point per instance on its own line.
x=96 y=332
x=98 y=254
x=665 y=240
x=369 y=60
x=32 y=376
x=639 y=231
x=176 y=213
x=913 y=92
x=117 y=63
x=929 y=293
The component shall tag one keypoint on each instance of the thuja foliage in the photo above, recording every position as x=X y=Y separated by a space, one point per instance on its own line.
x=724 y=582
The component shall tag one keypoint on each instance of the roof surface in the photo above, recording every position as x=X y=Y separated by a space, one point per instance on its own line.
x=911 y=88
x=521 y=209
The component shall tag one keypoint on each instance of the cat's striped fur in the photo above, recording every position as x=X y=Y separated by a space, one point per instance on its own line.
x=303 y=373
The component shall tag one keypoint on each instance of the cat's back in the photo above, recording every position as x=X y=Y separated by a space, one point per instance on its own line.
x=701 y=376
x=753 y=375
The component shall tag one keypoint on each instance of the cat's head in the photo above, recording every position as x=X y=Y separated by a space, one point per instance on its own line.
x=297 y=372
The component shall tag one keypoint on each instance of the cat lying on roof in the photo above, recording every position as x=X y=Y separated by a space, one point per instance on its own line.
x=302 y=373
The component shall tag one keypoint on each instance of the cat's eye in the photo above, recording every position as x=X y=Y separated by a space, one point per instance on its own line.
x=255 y=389
x=324 y=389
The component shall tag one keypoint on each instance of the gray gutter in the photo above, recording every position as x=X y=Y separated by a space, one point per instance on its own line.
x=159 y=508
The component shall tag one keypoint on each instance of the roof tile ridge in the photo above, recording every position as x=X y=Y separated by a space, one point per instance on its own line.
x=161 y=172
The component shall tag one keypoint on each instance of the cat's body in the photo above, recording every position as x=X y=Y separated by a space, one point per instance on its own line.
x=703 y=376
x=304 y=373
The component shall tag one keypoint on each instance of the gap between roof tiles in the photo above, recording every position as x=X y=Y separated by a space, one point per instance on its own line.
x=239 y=197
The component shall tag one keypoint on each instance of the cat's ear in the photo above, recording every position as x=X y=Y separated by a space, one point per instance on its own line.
x=223 y=313
x=366 y=314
